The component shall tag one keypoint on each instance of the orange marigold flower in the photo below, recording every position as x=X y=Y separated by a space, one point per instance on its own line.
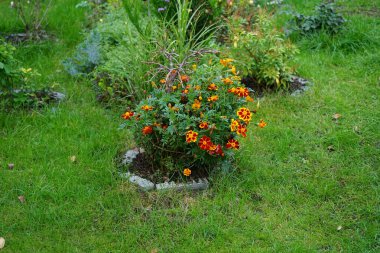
x=187 y=172
x=212 y=87
x=213 y=98
x=197 y=87
x=205 y=143
x=232 y=90
x=233 y=70
x=234 y=125
x=216 y=150
x=249 y=99
x=226 y=62
x=185 y=78
x=232 y=144
x=147 y=108
x=203 y=125
x=227 y=81
x=242 y=130
x=262 y=124
x=127 y=115
x=162 y=81
x=191 y=136
x=244 y=114
x=174 y=87
x=147 y=130
x=196 y=105
x=242 y=92
x=185 y=91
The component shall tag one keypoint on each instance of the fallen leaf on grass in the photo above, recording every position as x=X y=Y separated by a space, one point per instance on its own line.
x=336 y=116
x=356 y=129
x=331 y=148
x=339 y=228
x=154 y=251
x=73 y=158
x=21 y=198
x=11 y=166
x=2 y=242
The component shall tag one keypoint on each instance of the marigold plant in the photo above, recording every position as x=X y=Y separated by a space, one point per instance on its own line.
x=198 y=124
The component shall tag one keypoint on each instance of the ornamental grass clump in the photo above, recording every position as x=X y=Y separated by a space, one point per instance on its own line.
x=194 y=122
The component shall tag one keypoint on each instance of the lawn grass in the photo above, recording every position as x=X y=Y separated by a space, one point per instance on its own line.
x=306 y=183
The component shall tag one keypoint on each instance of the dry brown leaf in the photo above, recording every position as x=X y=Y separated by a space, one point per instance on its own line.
x=330 y=148
x=154 y=251
x=21 y=198
x=336 y=116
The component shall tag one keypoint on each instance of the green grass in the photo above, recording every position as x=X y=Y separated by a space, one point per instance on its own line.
x=290 y=194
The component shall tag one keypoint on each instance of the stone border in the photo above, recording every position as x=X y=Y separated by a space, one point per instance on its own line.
x=147 y=185
x=305 y=85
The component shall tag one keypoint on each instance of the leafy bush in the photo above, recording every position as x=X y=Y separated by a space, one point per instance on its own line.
x=193 y=121
x=262 y=52
x=16 y=84
x=325 y=19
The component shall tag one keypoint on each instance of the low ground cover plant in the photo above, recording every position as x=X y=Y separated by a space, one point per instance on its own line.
x=193 y=121
x=324 y=19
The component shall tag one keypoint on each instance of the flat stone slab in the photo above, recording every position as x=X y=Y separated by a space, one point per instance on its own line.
x=147 y=185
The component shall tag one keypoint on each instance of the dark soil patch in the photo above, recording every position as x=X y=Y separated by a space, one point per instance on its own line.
x=142 y=167
x=17 y=38
x=296 y=85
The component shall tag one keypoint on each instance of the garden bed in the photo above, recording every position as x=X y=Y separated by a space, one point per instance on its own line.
x=146 y=177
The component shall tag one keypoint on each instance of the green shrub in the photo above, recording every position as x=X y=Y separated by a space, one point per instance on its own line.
x=325 y=19
x=9 y=72
x=192 y=121
x=261 y=51
x=16 y=84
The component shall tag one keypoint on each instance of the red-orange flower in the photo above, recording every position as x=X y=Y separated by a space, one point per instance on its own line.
x=205 y=143
x=225 y=62
x=187 y=172
x=227 y=81
x=147 y=108
x=244 y=114
x=249 y=99
x=216 y=150
x=203 y=125
x=232 y=90
x=262 y=124
x=213 y=98
x=242 y=92
x=232 y=144
x=196 y=105
x=162 y=81
x=185 y=78
x=234 y=125
x=191 y=136
x=212 y=87
x=147 y=130
x=127 y=115
x=242 y=130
